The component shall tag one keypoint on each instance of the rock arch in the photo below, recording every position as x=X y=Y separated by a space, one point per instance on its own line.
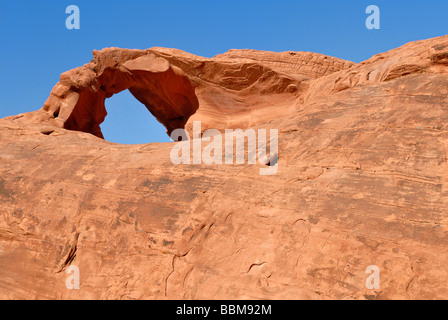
x=238 y=89
x=77 y=102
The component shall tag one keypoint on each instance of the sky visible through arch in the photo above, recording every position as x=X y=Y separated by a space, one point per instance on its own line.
x=36 y=46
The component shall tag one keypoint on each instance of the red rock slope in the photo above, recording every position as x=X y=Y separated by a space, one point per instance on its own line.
x=362 y=180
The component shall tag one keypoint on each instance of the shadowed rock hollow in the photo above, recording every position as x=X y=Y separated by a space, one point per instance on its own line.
x=362 y=180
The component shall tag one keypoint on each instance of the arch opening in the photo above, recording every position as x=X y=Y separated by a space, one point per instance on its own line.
x=129 y=122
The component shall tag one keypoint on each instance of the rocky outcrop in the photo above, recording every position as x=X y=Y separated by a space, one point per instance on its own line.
x=362 y=180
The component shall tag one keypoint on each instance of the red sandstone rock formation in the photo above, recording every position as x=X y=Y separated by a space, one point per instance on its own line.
x=362 y=180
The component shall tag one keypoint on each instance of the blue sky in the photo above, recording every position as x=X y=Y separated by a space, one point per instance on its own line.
x=36 y=47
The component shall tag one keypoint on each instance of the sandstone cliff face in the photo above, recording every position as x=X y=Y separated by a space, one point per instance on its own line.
x=362 y=180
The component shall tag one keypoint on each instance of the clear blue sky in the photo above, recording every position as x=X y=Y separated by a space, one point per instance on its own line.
x=36 y=47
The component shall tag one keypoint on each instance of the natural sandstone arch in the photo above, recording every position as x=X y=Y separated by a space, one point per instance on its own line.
x=238 y=89
x=77 y=102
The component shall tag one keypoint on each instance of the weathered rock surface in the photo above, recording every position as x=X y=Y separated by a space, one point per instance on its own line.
x=362 y=180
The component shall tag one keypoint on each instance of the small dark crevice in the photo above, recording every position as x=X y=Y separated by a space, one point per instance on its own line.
x=272 y=162
x=255 y=265
x=71 y=256
x=172 y=268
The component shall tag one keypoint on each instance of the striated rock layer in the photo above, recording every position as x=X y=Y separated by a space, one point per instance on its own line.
x=362 y=180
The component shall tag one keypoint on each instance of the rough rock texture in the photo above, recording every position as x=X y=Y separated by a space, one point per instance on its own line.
x=362 y=180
